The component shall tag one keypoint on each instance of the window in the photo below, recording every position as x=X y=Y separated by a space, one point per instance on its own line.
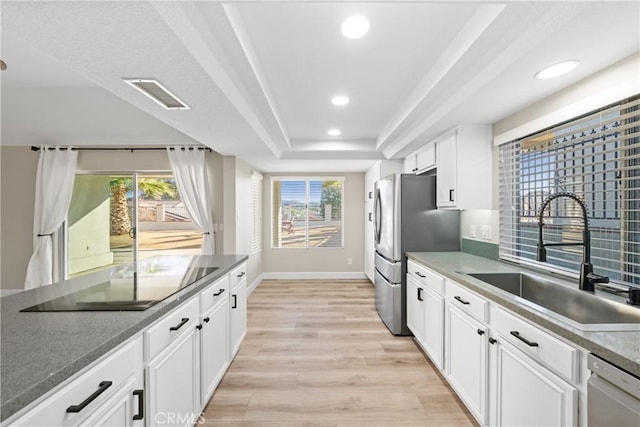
x=121 y=218
x=307 y=212
x=596 y=157
x=256 y=208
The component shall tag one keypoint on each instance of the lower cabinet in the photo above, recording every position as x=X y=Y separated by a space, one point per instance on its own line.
x=172 y=383
x=523 y=393
x=214 y=349
x=415 y=308
x=238 y=317
x=507 y=371
x=434 y=326
x=108 y=394
x=466 y=360
x=120 y=410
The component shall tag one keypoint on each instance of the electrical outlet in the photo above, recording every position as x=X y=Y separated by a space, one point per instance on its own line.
x=472 y=230
x=486 y=232
x=349 y=261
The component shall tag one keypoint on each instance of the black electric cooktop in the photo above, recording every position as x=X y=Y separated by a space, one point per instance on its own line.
x=132 y=287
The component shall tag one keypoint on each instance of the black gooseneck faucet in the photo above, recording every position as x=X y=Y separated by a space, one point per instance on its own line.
x=587 y=277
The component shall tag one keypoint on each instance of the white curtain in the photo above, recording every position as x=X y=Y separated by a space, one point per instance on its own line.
x=190 y=171
x=54 y=186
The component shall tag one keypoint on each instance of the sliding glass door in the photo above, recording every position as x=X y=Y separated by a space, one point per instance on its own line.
x=117 y=218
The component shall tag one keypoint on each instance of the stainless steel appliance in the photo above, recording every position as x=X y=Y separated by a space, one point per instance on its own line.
x=406 y=220
x=613 y=395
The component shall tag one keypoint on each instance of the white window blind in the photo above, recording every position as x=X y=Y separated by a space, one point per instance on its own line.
x=307 y=212
x=596 y=157
x=256 y=209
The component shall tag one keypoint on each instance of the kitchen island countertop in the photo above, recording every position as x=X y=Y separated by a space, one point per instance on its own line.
x=619 y=347
x=41 y=350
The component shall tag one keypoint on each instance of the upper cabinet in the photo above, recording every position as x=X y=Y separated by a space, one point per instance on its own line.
x=422 y=160
x=463 y=161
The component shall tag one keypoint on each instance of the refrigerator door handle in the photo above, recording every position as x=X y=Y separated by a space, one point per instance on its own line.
x=377 y=216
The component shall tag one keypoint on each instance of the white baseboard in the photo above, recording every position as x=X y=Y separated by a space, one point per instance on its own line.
x=301 y=275
x=7 y=292
x=255 y=283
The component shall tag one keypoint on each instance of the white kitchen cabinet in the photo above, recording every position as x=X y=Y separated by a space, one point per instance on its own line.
x=466 y=352
x=422 y=160
x=525 y=393
x=374 y=173
x=119 y=411
x=463 y=161
x=172 y=377
x=103 y=395
x=238 y=309
x=415 y=308
x=214 y=337
x=428 y=305
x=433 y=341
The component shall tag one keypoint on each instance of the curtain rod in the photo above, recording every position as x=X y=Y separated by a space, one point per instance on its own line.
x=34 y=148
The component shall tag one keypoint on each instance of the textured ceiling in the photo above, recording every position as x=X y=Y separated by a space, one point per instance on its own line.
x=259 y=76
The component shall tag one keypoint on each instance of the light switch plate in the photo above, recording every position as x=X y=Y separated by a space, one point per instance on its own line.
x=486 y=232
x=472 y=230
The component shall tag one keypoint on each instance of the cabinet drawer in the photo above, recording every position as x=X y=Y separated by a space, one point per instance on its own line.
x=426 y=277
x=170 y=327
x=218 y=291
x=238 y=274
x=540 y=345
x=468 y=301
x=92 y=388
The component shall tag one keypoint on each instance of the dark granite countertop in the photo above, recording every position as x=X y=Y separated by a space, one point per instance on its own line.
x=621 y=348
x=40 y=350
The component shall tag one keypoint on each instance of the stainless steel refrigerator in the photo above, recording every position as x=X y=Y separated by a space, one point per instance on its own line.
x=406 y=220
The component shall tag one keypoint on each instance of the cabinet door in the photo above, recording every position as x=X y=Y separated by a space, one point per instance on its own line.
x=527 y=394
x=172 y=383
x=426 y=158
x=466 y=360
x=433 y=326
x=214 y=349
x=119 y=410
x=415 y=308
x=409 y=164
x=446 y=159
x=238 y=317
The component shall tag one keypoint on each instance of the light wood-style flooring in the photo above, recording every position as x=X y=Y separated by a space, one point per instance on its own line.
x=317 y=354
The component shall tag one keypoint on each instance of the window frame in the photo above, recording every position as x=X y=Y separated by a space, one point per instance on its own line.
x=257 y=223
x=307 y=179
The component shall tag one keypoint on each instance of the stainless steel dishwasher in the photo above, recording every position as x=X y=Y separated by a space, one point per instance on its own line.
x=613 y=395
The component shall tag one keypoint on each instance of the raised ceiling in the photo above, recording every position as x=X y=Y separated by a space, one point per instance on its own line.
x=259 y=76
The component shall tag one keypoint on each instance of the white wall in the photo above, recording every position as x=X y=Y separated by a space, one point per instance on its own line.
x=319 y=262
x=237 y=213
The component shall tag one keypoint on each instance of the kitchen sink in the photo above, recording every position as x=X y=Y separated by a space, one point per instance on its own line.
x=586 y=310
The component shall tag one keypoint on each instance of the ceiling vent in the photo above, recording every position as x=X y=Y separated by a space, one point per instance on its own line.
x=154 y=90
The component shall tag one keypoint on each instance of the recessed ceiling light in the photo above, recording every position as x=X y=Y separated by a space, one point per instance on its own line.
x=355 y=27
x=557 y=70
x=340 y=100
x=334 y=132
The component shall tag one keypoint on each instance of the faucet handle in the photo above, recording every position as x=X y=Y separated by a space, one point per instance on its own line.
x=596 y=278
